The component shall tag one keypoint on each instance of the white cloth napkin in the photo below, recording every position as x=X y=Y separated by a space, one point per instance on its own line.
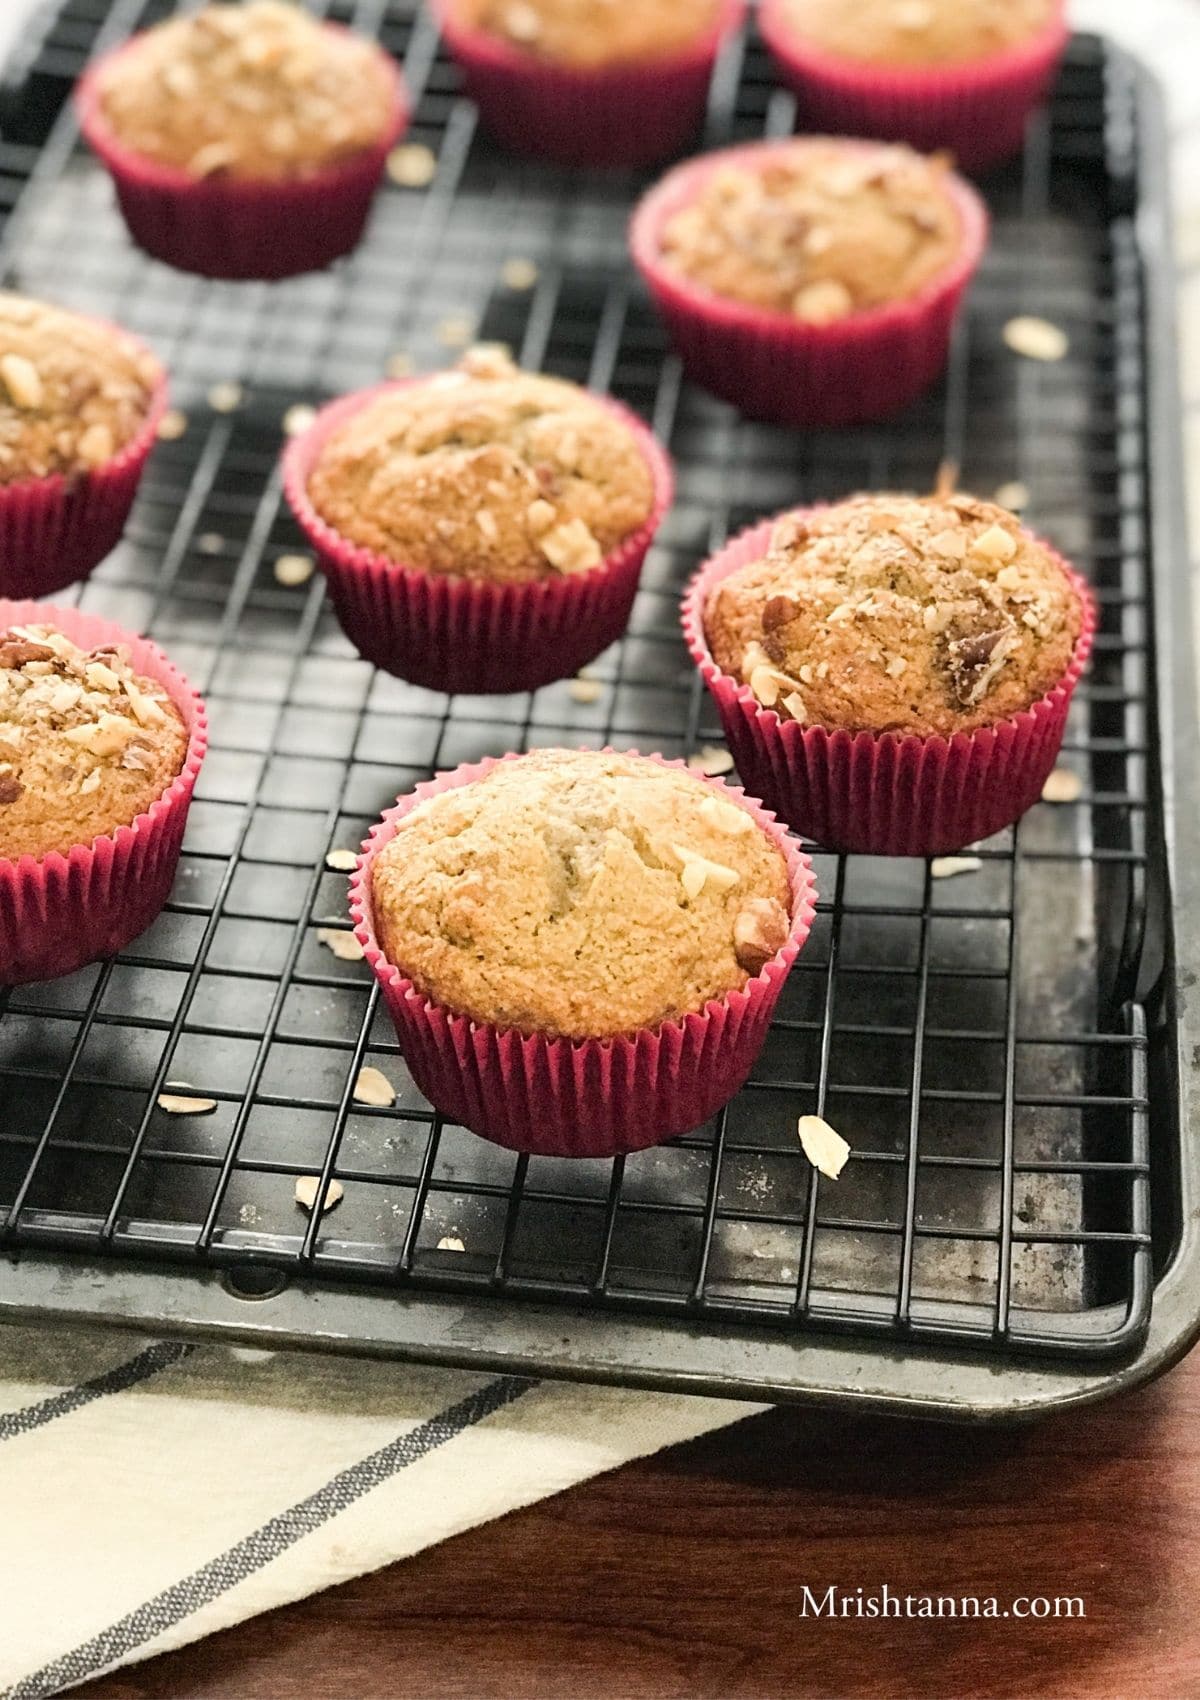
x=154 y=1492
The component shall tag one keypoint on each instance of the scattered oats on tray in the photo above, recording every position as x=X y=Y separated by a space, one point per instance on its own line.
x=1036 y=339
x=518 y=274
x=947 y=867
x=172 y=425
x=225 y=398
x=298 y=418
x=712 y=760
x=294 y=570
x=1062 y=786
x=306 y=1193
x=179 y=1103
x=586 y=690
x=824 y=1147
x=1014 y=496
x=374 y=1088
x=341 y=861
x=344 y=945
x=450 y=1242
x=455 y=331
x=412 y=165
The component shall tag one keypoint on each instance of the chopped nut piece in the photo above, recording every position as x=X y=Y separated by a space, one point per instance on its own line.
x=823 y=302
x=225 y=397
x=946 y=867
x=10 y=787
x=298 y=418
x=936 y=617
x=796 y=707
x=341 y=861
x=692 y=879
x=90 y=782
x=172 y=425
x=824 y=1147
x=766 y=684
x=518 y=274
x=712 y=760
x=294 y=570
x=1009 y=578
x=486 y=521
x=177 y=1104
x=373 y=1087
x=760 y=931
x=521 y=22
x=777 y=612
x=726 y=817
x=488 y=360
x=896 y=666
x=995 y=544
x=211 y=158
x=22 y=380
x=343 y=945
x=914 y=14
x=1014 y=495
x=398 y=365
x=145 y=710
x=95 y=445
x=1036 y=339
x=571 y=548
x=450 y=1242
x=104 y=737
x=100 y=678
x=456 y=331
x=1062 y=786
x=950 y=544
x=698 y=872
x=412 y=166
x=586 y=690
x=306 y=1193
x=540 y=514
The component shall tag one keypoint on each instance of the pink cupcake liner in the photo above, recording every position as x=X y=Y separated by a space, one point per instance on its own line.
x=59 y=912
x=770 y=365
x=580 y=1097
x=979 y=110
x=622 y=115
x=456 y=634
x=237 y=229
x=54 y=530
x=883 y=794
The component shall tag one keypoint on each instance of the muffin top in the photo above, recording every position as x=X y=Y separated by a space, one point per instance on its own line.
x=486 y=472
x=261 y=90
x=819 y=229
x=929 y=615
x=580 y=895
x=86 y=744
x=590 y=33
x=917 y=32
x=73 y=391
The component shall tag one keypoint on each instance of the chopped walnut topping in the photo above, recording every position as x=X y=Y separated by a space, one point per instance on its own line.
x=10 y=786
x=698 y=872
x=760 y=930
x=571 y=548
x=22 y=380
x=995 y=544
x=726 y=817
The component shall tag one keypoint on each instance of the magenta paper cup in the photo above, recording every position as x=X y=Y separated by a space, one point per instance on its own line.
x=884 y=794
x=580 y=1097
x=59 y=912
x=774 y=367
x=456 y=634
x=978 y=109
x=621 y=115
x=54 y=530
x=236 y=228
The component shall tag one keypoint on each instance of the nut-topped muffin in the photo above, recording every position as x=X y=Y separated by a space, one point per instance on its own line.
x=916 y=32
x=256 y=91
x=86 y=744
x=580 y=895
x=73 y=391
x=890 y=613
x=817 y=229
x=584 y=34
x=486 y=473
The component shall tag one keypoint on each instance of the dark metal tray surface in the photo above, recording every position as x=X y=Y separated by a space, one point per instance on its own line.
x=1002 y=1048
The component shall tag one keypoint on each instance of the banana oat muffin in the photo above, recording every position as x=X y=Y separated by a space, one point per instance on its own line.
x=86 y=745
x=486 y=473
x=590 y=33
x=819 y=229
x=926 y=615
x=580 y=895
x=259 y=91
x=73 y=391
x=916 y=32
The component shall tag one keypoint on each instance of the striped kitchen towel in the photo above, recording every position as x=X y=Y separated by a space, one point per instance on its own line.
x=154 y=1492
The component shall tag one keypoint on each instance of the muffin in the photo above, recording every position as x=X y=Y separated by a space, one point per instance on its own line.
x=80 y=403
x=246 y=141
x=483 y=529
x=893 y=672
x=605 y=934
x=813 y=281
x=589 y=84
x=100 y=742
x=960 y=74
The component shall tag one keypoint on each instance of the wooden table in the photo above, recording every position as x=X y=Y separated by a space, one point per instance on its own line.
x=683 y=1576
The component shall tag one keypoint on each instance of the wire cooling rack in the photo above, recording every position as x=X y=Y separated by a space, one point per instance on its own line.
x=981 y=1040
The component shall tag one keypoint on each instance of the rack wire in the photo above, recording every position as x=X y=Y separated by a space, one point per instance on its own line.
x=978 y=1039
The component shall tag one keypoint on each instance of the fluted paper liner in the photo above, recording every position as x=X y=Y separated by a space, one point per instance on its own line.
x=883 y=794
x=773 y=366
x=978 y=109
x=449 y=633
x=226 y=227
x=59 y=912
x=580 y=1097
x=620 y=115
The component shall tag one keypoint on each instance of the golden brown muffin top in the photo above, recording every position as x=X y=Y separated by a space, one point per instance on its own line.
x=73 y=391
x=485 y=472
x=255 y=91
x=591 y=33
x=928 y=615
x=86 y=744
x=820 y=229
x=917 y=32
x=580 y=895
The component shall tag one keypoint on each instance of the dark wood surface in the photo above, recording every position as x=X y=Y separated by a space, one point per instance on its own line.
x=682 y=1576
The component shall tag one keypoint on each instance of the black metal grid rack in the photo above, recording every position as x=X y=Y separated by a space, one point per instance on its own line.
x=983 y=1040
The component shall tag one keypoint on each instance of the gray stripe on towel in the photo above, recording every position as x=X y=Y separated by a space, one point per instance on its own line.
x=266 y=1543
x=163 y=1355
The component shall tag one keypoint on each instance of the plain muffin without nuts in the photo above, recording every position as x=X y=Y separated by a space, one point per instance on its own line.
x=86 y=745
x=261 y=91
x=485 y=473
x=588 y=34
x=73 y=391
x=924 y=615
x=916 y=32
x=821 y=229
x=580 y=895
